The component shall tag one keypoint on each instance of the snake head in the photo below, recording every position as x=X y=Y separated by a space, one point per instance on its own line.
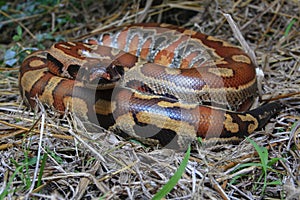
x=100 y=74
x=110 y=73
x=106 y=69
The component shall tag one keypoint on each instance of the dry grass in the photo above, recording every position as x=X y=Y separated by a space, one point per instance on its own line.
x=82 y=165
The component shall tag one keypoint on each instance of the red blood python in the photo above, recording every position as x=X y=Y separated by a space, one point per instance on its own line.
x=158 y=83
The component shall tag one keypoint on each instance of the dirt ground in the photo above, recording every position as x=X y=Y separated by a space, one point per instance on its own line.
x=65 y=162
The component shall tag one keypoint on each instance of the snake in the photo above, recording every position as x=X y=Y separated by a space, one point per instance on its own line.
x=158 y=83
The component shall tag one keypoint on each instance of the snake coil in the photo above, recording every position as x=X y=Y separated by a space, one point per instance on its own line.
x=158 y=83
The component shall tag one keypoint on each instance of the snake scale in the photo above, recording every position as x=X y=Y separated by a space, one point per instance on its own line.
x=158 y=83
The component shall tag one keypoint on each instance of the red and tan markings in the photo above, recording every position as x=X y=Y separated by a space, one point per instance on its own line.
x=181 y=121
x=149 y=81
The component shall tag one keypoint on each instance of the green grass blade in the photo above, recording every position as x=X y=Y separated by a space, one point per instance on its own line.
x=277 y=182
x=289 y=27
x=41 y=172
x=273 y=161
x=26 y=164
x=175 y=178
x=244 y=165
x=6 y=190
x=263 y=155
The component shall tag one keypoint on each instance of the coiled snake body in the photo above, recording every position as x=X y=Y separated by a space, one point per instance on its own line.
x=154 y=82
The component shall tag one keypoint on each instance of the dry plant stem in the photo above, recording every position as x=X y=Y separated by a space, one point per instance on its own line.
x=283 y=96
x=144 y=13
x=87 y=145
x=240 y=192
x=247 y=49
x=38 y=154
x=84 y=182
x=254 y=19
x=121 y=163
x=26 y=130
x=7 y=146
x=64 y=176
x=18 y=19
x=294 y=135
x=20 y=23
x=274 y=17
x=218 y=188
x=5 y=179
x=243 y=171
x=144 y=189
x=12 y=134
x=117 y=172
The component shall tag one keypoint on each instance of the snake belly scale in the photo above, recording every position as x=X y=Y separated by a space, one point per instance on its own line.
x=158 y=83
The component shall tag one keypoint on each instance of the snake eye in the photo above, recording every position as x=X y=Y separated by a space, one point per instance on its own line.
x=116 y=71
x=73 y=70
